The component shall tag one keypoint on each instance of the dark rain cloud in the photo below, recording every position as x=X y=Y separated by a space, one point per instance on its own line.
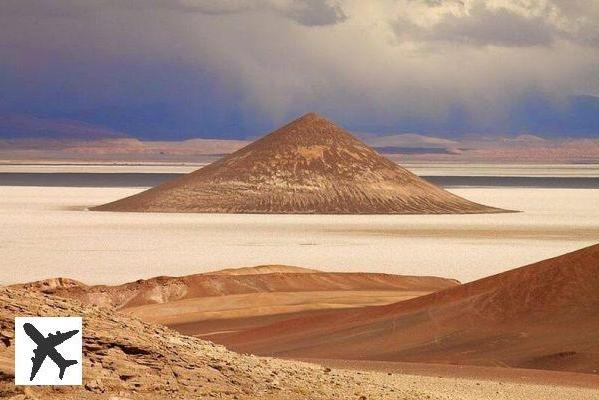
x=304 y=12
x=234 y=68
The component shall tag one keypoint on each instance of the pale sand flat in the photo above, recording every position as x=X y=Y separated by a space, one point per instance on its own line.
x=46 y=234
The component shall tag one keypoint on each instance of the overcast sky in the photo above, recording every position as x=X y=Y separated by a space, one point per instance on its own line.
x=234 y=68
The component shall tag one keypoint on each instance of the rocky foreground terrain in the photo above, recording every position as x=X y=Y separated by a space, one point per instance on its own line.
x=126 y=358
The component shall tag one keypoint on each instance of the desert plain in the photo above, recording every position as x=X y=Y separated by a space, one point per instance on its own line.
x=112 y=248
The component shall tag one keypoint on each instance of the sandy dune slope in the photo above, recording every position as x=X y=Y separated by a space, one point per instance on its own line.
x=544 y=316
x=212 y=316
x=310 y=166
x=125 y=358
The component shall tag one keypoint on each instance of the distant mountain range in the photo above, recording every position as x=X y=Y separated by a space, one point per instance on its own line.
x=535 y=113
x=574 y=117
x=26 y=137
x=27 y=127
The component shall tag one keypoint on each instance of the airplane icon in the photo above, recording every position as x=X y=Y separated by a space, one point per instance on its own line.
x=46 y=347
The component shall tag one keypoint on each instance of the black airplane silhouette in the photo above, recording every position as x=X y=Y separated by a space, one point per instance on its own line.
x=46 y=347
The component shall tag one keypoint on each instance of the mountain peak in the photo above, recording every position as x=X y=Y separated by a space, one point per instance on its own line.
x=310 y=126
x=311 y=117
x=311 y=165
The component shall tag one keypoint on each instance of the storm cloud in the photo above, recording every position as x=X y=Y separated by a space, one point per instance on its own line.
x=235 y=68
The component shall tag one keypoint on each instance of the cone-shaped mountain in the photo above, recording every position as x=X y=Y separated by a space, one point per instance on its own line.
x=309 y=166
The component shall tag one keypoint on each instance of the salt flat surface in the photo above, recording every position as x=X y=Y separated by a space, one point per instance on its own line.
x=45 y=232
x=528 y=170
x=100 y=168
x=423 y=169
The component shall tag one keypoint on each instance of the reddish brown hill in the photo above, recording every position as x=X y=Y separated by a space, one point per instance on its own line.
x=308 y=166
x=165 y=289
x=244 y=298
x=544 y=315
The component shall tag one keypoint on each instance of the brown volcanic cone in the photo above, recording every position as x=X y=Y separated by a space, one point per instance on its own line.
x=308 y=166
x=543 y=316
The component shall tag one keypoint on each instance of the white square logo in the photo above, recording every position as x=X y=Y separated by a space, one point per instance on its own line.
x=48 y=350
